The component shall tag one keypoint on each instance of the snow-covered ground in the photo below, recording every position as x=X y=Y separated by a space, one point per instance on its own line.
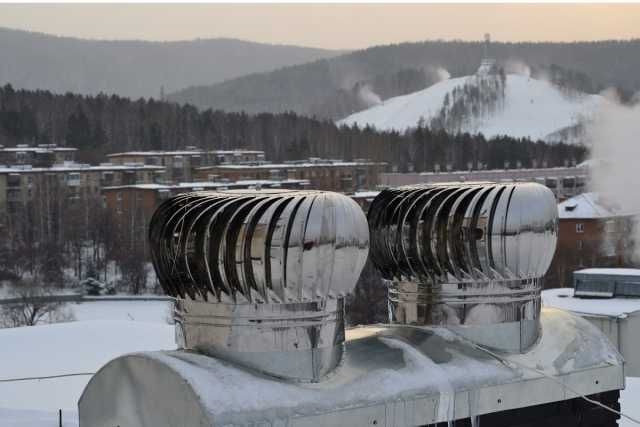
x=103 y=331
x=22 y=418
x=138 y=311
x=141 y=308
x=532 y=108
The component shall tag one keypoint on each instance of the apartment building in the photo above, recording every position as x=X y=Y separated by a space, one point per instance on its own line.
x=139 y=201
x=20 y=184
x=43 y=155
x=180 y=164
x=333 y=175
x=565 y=182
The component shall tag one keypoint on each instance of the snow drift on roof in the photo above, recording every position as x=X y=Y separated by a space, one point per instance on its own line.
x=588 y=206
x=563 y=299
x=611 y=271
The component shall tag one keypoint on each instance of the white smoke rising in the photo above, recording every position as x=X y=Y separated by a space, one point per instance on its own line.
x=442 y=74
x=368 y=96
x=437 y=74
x=515 y=66
x=614 y=135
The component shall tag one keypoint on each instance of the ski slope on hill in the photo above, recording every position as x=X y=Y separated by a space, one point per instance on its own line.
x=531 y=108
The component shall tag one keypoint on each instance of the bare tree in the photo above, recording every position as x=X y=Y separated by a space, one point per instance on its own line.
x=32 y=305
x=134 y=273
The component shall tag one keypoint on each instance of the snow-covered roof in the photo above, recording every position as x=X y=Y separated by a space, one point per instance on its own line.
x=310 y=164
x=41 y=149
x=77 y=167
x=212 y=185
x=563 y=298
x=183 y=153
x=611 y=271
x=589 y=163
x=365 y=194
x=236 y=152
x=156 y=153
x=588 y=206
x=149 y=186
x=561 y=171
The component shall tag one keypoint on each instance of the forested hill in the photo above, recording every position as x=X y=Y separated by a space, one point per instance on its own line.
x=334 y=87
x=135 y=68
x=105 y=124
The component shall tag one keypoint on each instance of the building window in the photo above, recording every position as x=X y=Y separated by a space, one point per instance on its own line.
x=13 y=180
x=107 y=176
x=73 y=179
x=119 y=195
x=579 y=244
x=580 y=227
x=610 y=226
x=609 y=248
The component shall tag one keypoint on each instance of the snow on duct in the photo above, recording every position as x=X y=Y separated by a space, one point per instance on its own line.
x=260 y=276
x=468 y=256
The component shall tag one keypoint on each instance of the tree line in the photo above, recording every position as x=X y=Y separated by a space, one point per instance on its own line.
x=102 y=124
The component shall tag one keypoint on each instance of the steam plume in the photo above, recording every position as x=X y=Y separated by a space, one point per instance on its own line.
x=442 y=74
x=614 y=135
x=514 y=66
x=437 y=74
x=368 y=96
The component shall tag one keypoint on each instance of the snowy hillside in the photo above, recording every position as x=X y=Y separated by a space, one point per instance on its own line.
x=521 y=107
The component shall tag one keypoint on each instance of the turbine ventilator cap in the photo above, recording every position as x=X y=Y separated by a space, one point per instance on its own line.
x=470 y=256
x=260 y=276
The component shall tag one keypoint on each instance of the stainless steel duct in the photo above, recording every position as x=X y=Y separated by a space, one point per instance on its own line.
x=470 y=256
x=260 y=276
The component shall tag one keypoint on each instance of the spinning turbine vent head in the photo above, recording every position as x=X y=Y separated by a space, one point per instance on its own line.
x=466 y=255
x=282 y=260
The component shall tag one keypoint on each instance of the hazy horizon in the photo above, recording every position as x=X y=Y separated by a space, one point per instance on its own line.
x=328 y=26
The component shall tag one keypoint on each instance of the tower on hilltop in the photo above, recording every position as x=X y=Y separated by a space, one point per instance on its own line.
x=488 y=64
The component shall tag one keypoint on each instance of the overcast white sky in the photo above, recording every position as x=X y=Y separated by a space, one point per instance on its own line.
x=334 y=26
